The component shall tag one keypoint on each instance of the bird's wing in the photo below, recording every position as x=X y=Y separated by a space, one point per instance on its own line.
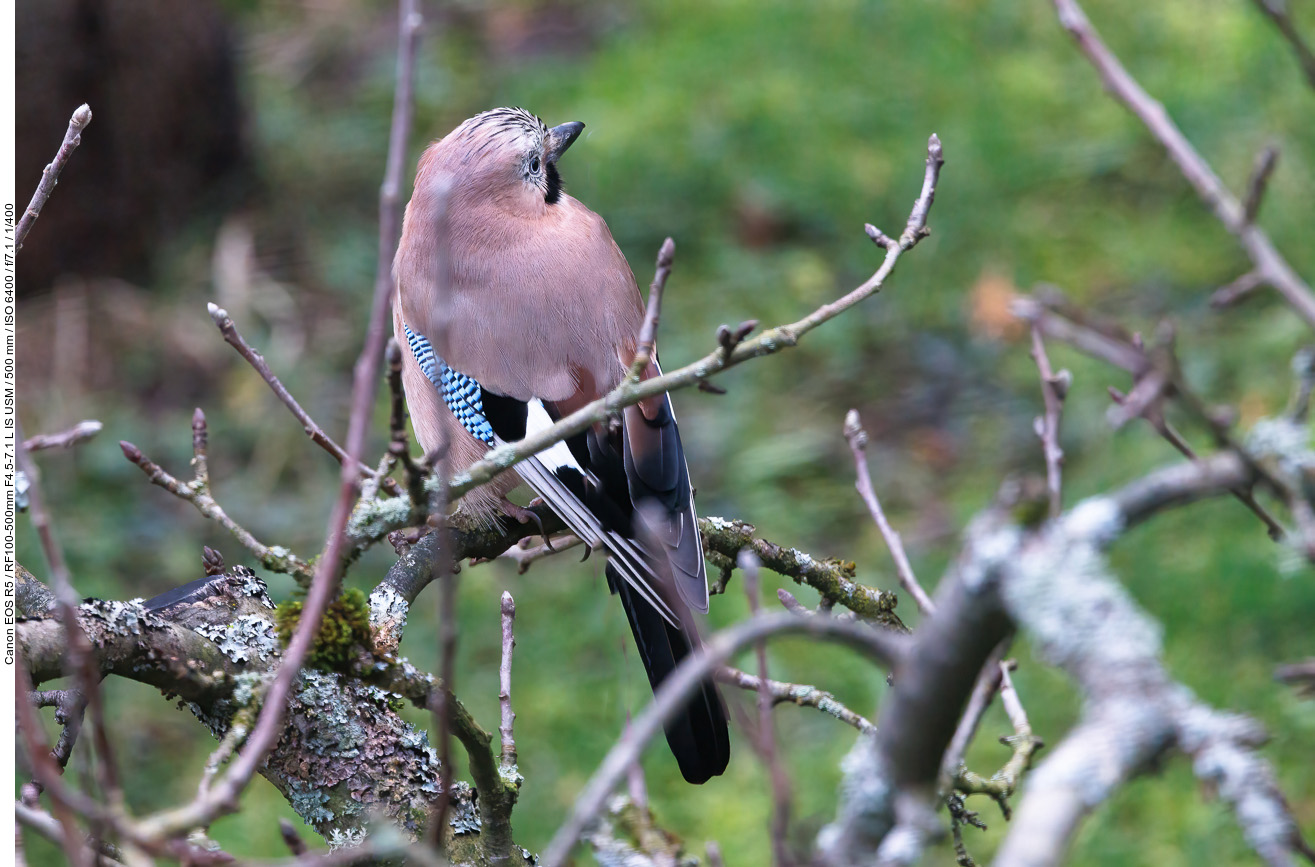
x=658 y=477
x=555 y=474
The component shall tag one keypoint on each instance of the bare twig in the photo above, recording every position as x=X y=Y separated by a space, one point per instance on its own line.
x=1054 y=387
x=291 y=838
x=1004 y=782
x=79 y=433
x=770 y=342
x=504 y=684
x=1267 y=260
x=50 y=175
x=790 y=603
x=1278 y=12
x=197 y=492
x=1052 y=318
x=526 y=556
x=766 y=740
x=858 y=441
x=1239 y=290
x=398 y=446
x=1300 y=675
x=882 y=647
x=802 y=694
x=648 y=331
x=988 y=684
x=316 y=433
x=1264 y=166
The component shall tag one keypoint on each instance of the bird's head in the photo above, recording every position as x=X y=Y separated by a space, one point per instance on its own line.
x=508 y=154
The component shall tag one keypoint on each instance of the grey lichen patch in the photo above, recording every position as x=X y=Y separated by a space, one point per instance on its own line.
x=347 y=838
x=867 y=803
x=308 y=802
x=119 y=618
x=372 y=519
x=279 y=559
x=345 y=741
x=465 y=815
x=337 y=732
x=388 y=613
x=1284 y=442
x=248 y=685
x=1061 y=591
x=216 y=717
x=248 y=638
x=247 y=583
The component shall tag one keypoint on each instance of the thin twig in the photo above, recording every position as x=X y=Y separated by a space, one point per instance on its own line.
x=1239 y=290
x=1054 y=387
x=802 y=694
x=883 y=648
x=1278 y=12
x=257 y=361
x=398 y=446
x=291 y=838
x=648 y=331
x=1225 y=206
x=766 y=741
x=79 y=433
x=1004 y=782
x=988 y=684
x=1054 y=320
x=50 y=175
x=48 y=827
x=526 y=556
x=858 y=442
x=1264 y=166
x=504 y=684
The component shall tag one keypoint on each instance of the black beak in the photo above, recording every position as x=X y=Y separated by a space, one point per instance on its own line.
x=561 y=137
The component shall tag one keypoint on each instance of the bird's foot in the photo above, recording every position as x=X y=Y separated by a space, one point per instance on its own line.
x=522 y=514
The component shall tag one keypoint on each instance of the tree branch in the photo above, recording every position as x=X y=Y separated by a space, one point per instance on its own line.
x=1267 y=260
x=50 y=175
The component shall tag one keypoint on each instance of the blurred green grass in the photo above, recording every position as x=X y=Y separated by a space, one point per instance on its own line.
x=761 y=136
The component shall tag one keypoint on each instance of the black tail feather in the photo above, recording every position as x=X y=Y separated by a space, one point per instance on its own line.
x=698 y=735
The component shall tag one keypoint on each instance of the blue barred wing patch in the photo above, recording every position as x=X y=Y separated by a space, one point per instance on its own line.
x=461 y=393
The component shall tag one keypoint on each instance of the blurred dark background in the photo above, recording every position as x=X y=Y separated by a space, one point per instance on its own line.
x=235 y=157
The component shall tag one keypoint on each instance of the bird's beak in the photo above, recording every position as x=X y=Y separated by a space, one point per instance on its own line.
x=560 y=138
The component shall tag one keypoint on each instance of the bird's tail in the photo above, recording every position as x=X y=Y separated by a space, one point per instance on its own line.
x=698 y=734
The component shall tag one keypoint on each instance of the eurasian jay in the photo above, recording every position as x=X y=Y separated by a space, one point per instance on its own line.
x=539 y=315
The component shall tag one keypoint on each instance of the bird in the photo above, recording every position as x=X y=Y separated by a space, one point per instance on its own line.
x=516 y=308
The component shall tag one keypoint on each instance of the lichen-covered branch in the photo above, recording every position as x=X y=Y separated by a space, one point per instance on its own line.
x=832 y=578
x=801 y=694
x=215 y=648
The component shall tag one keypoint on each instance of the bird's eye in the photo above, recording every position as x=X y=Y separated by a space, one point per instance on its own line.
x=534 y=166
